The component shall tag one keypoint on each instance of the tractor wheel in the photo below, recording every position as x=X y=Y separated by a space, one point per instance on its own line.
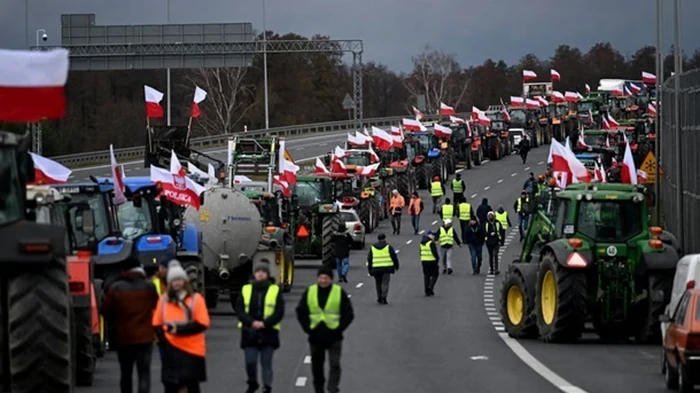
x=39 y=348
x=329 y=227
x=84 y=350
x=436 y=169
x=365 y=212
x=658 y=290
x=468 y=158
x=450 y=156
x=100 y=341
x=195 y=273
x=403 y=185
x=421 y=177
x=477 y=157
x=376 y=211
x=561 y=301
x=494 y=150
x=517 y=306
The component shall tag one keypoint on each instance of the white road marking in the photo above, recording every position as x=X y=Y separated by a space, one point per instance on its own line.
x=527 y=168
x=500 y=181
x=498 y=323
x=513 y=174
x=298 y=148
x=359 y=285
x=540 y=163
x=459 y=170
x=301 y=382
x=500 y=328
x=492 y=313
x=349 y=295
x=485 y=292
x=307 y=359
x=485 y=161
x=409 y=242
x=490 y=309
x=473 y=196
x=537 y=366
x=488 y=296
x=434 y=222
x=495 y=318
x=322 y=144
x=487 y=188
x=422 y=231
x=397 y=251
x=479 y=357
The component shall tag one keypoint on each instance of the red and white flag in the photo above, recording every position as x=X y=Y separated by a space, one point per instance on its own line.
x=153 y=99
x=504 y=110
x=517 y=101
x=48 y=171
x=381 y=139
x=642 y=176
x=532 y=104
x=648 y=78
x=199 y=96
x=117 y=179
x=339 y=153
x=543 y=101
x=367 y=171
x=286 y=191
x=607 y=140
x=606 y=123
x=397 y=136
x=555 y=75
x=628 y=172
x=175 y=166
x=634 y=88
x=628 y=92
x=412 y=125
x=419 y=115
x=321 y=167
x=356 y=139
x=612 y=122
x=238 y=179
x=529 y=75
x=442 y=131
x=289 y=172
x=457 y=120
x=32 y=85
x=617 y=91
x=375 y=157
x=480 y=117
x=588 y=88
x=565 y=163
x=365 y=134
x=178 y=188
x=600 y=173
x=446 y=110
x=338 y=166
x=581 y=143
x=571 y=96
x=652 y=108
x=557 y=96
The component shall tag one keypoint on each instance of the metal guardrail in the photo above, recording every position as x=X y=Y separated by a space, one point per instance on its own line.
x=688 y=146
x=206 y=142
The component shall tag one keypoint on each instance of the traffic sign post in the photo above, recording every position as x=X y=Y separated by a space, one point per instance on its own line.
x=349 y=104
x=649 y=166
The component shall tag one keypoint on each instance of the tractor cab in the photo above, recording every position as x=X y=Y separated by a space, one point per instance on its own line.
x=274 y=208
x=316 y=216
x=162 y=141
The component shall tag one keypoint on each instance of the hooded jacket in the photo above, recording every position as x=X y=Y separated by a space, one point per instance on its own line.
x=483 y=210
x=267 y=337
x=342 y=241
x=390 y=269
x=501 y=210
x=474 y=235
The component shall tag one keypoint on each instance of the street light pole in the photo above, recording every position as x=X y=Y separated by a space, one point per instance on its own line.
x=659 y=77
x=678 y=66
x=267 y=109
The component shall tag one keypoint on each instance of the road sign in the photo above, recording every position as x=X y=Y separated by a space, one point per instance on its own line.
x=649 y=166
x=348 y=102
x=288 y=156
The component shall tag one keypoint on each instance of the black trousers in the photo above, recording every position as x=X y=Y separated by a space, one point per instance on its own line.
x=431 y=273
x=192 y=388
x=139 y=355
x=396 y=222
x=458 y=198
x=318 y=362
x=493 y=257
x=381 y=281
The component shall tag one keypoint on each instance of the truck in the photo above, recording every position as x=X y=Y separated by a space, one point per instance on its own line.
x=590 y=257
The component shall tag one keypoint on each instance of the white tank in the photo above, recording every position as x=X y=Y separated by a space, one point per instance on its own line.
x=231 y=229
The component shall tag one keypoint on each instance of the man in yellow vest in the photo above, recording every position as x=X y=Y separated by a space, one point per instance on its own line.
x=430 y=260
x=522 y=209
x=503 y=218
x=382 y=262
x=324 y=312
x=465 y=213
x=159 y=278
x=447 y=237
x=437 y=190
x=458 y=188
x=260 y=309
x=447 y=211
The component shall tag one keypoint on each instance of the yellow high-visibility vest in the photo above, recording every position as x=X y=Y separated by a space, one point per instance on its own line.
x=156 y=281
x=436 y=189
x=381 y=258
x=457 y=186
x=426 y=253
x=270 y=301
x=330 y=314
x=465 y=211
x=447 y=237
x=503 y=219
x=520 y=203
x=447 y=212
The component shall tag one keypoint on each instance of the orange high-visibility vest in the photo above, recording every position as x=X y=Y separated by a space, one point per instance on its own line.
x=415 y=206
x=169 y=312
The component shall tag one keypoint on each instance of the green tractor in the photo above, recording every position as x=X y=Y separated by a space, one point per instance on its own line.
x=316 y=218
x=590 y=257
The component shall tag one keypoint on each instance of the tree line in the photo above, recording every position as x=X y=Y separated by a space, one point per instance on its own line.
x=108 y=106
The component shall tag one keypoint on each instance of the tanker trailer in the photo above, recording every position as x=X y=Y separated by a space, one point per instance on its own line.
x=234 y=239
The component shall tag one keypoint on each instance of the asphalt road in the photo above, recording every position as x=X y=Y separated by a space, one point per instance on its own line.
x=453 y=342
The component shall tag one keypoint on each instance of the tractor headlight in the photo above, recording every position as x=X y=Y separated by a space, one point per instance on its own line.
x=579 y=197
x=176 y=222
x=589 y=197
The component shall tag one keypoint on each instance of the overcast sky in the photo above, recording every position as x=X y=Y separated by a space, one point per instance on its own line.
x=392 y=30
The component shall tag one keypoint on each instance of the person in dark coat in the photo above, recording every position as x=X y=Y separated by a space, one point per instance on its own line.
x=128 y=308
x=474 y=239
x=323 y=338
x=259 y=324
x=342 y=242
x=493 y=241
x=482 y=211
x=380 y=268
x=524 y=147
x=430 y=261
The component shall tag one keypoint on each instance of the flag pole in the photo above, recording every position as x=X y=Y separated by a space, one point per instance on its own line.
x=189 y=131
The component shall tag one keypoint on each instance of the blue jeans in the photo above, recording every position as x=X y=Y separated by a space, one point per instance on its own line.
x=251 y=364
x=343 y=265
x=415 y=221
x=522 y=224
x=475 y=253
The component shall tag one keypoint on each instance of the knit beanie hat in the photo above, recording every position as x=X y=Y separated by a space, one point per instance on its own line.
x=325 y=271
x=175 y=271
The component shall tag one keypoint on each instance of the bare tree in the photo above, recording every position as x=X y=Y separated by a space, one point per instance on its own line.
x=228 y=98
x=435 y=75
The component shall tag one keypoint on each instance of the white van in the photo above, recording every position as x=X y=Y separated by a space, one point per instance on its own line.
x=687 y=277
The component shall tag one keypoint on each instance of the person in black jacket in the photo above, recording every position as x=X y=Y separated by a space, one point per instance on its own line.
x=482 y=211
x=430 y=262
x=259 y=318
x=323 y=338
x=474 y=239
x=380 y=269
x=342 y=241
x=493 y=241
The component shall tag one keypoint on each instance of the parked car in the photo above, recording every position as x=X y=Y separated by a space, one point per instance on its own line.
x=687 y=277
x=355 y=227
x=516 y=136
x=682 y=343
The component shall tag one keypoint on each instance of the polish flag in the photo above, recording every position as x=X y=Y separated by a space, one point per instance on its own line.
x=567 y=144
x=153 y=99
x=543 y=101
x=565 y=163
x=628 y=172
x=648 y=78
x=32 y=85
x=588 y=88
x=338 y=166
x=442 y=132
x=446 y=110
x=504 y=110
x=529 y=75
x=555 y=75
x=628 y=93
x=652 y=109
x=580 y=97
x=617 y=91
x=570 y=96
x=532 y=104
x=581 y=143
x=457 y=120
x=606 y=123
x=419 y=115
x=48 y=171
x=635 y=89
x=238 y=179
x=338 y=152
x=381 y=139
x=607 y=140
x=517 y=101
x=356 y=139
x=412 y=125
x=480 y=117
x=320 y=167
x=368 y=139
x=175 y=166
x=367 y=171
x=375 y=157
x=199 y=96
x=612 y=122
x=283 y=184
x=177 y=188
x=600 y=173
x=289 y=172
x=642 y=176
x=557 y=96
x=117 y=179
x=397 y=136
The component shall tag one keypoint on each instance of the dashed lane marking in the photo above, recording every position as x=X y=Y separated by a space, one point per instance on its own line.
x=322 y=144
x=359 y=285
x=421 y=232
x=540 y=163
x=487 y=188
x=409 y=241
x=500 y=181
x=473 y=196
x=490 y=309
x=397 y=251
x=307 y=359
x=300 y=382
x=298 y=149
x=494 y=319
x=500 y=328
x=434 y=222
x=459 y=170
x=527 y=168
x=485 y=161
x=349 y=295
x=485 y=292
x=513 y=174
x=492 y=313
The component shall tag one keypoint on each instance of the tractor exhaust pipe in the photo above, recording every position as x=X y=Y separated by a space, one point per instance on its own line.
x=224 y=274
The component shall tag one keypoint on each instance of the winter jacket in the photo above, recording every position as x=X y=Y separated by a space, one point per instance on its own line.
x=128 y=308
x=321 y=335
x=267 y=337
x=493 y=233
x=433 y=249
x=391 y=269
x=483 y=210
x=342 y=241
x=474 y=235
x=501 y=210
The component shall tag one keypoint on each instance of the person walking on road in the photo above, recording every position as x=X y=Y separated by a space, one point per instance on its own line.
x=458 y=188
x=524 y=148
x=382 y=262
x=493 y=241
x=447 y=211
x=474 y=238
x=159 y=279
x=415 y=209
x=324 y=312
x=482 y=211
x=522 y=209
x=437 y=190
x=180 y=319
x=447 y=238
x=503 y=218
x=342 y=242
x=530 y=185
x=260 y=309
x=397 y=205
x=128 y=307
x=465 y=214
x=430 y=260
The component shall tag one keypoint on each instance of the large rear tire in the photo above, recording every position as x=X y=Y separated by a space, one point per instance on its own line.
x=659 y=288
x=330 y=224
x=436 y=169
x=422 y=177
x=403 y=185
x=365 y=213
x=84 y=350
x=517 y=306
x=38 y=331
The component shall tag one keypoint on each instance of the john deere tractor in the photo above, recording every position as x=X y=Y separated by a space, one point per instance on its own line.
x=316 y=218
x=594 y=259
x=426 y=157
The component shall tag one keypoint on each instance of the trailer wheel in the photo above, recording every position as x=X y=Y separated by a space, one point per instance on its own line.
x=330 y=225
x=84 y=349
x=39 y=347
